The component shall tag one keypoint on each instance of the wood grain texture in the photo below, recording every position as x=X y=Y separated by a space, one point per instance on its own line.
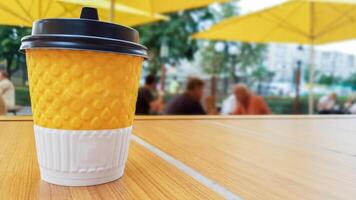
x=335 y=135
x=286 y=158
x=146 y=176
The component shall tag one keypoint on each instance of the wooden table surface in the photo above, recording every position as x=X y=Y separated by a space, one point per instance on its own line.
x=205 y=157
x=146 y=176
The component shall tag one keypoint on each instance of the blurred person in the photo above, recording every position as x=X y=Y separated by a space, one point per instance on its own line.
x=189 y=103
x=229 y=105
x=352 y=109
x=327 y=104
x=248 y=102
x=7 y=90
x=2 y=107
x=146 y=101
x=210 y=105
x=173 y=86
x=349 y=103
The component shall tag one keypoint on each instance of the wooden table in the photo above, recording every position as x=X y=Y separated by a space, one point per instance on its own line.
x=205 y=158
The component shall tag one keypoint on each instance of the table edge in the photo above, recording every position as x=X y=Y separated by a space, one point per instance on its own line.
x=211 y=117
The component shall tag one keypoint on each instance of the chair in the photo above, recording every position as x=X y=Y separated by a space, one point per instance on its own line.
x=14 y=110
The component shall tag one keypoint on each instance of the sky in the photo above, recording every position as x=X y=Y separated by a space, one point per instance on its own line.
x=247 y=6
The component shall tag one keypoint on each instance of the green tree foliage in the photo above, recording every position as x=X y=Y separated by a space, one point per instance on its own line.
x=214 y=62
x=248 y=58
x=306 y=73
x=324 y=79
x=251 y=55
x=10 y=41
x=175 y=34
x=351 y=81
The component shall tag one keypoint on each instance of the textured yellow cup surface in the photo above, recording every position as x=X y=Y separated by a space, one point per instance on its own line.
x=82 y=90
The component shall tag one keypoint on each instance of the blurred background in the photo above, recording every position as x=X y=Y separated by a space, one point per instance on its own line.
x=278 y=72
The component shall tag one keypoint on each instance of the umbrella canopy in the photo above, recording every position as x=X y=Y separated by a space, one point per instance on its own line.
x=166 y=6
x=119 y=11
x=296 y=21
x=24 y=12
x=147 y=9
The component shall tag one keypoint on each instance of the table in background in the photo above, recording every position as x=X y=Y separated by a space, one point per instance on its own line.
x=252 y=157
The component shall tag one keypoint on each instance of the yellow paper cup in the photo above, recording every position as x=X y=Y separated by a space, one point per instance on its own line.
x=83 y=95
x=82 y=90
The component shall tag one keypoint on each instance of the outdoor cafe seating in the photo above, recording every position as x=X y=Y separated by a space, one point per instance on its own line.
x=160 y=99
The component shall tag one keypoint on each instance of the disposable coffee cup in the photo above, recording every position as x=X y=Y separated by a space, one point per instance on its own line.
x=83 y=76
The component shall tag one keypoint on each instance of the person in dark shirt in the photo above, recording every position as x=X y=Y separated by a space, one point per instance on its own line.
x=188 y=103
x=146 y=101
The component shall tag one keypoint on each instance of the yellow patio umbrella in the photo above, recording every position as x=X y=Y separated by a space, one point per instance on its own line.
x=167 y=6
x=114 y=12
x=24 y=12
x=150 y=6
x=297 y=21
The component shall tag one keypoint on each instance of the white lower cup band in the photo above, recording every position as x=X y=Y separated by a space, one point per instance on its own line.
x=81 y=157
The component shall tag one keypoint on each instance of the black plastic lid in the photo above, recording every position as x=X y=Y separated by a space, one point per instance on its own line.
x=86 y=33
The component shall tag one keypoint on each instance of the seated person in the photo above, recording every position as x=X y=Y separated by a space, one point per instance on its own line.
x=349 y=104
x=2 y=107
x=249 y=103
x=352 y=109
x=7 y=90
x=229 y=105
x=327 y=104
x=146 y=101
x=188 y=103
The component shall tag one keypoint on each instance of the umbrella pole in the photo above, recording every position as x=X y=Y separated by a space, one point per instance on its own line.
x=311 y=80
x=112 y=10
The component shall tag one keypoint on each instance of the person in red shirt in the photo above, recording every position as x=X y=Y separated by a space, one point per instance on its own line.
x=248 y=103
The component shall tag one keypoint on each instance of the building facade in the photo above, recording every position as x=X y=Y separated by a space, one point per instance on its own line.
x=283 y=60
